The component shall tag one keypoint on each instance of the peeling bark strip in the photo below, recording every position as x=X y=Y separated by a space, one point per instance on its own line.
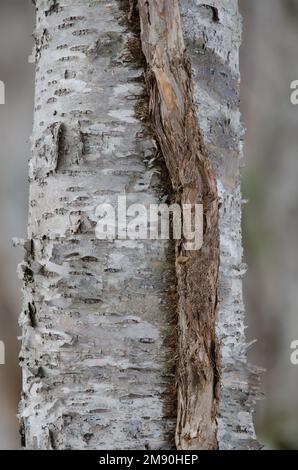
x=173 y=114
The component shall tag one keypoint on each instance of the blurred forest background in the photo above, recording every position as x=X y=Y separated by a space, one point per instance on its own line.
x=269 y=63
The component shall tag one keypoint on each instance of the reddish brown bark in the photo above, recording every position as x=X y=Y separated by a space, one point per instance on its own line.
x=174 y=120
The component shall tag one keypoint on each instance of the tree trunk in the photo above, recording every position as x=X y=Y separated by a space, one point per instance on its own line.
x=99 y=322
x=213 y=36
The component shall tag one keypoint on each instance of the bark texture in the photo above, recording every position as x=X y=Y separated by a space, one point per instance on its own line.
x=98 y=320
x=212 y=32
x=175 y=123
x=97 y=363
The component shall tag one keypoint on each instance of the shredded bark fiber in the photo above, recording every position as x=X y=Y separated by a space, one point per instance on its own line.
x=174 y=120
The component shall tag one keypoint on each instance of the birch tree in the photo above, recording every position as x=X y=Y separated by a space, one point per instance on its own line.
x=134 y=344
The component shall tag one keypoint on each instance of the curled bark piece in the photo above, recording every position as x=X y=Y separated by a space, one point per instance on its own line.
x=174 y=119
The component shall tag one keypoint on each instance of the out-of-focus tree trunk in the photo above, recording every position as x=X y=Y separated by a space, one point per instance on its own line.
x=99 y=324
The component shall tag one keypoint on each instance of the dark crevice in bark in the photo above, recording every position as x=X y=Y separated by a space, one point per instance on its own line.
x=22 y=432
x=210 y=11
x=174 y=121
x=53 y=8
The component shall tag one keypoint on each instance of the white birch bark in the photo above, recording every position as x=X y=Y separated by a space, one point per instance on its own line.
x=97 y=354
x=96 y=367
